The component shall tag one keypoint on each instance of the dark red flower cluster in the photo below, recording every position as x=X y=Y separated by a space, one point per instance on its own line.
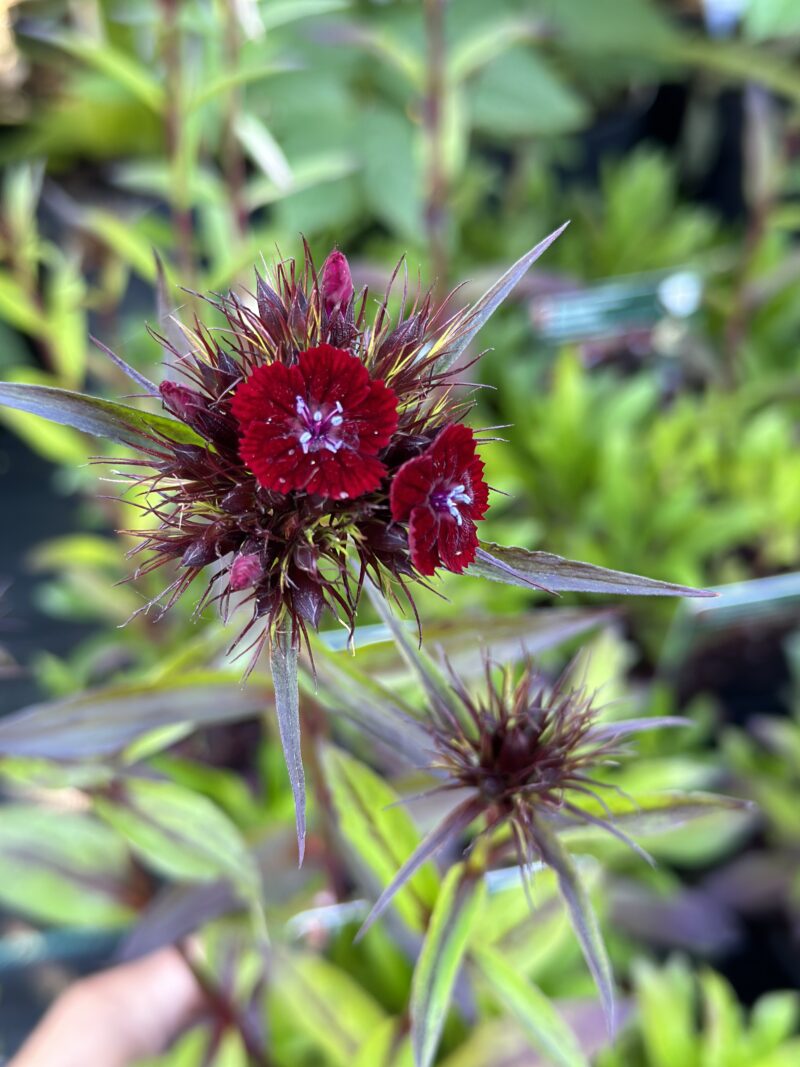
x=326 y=449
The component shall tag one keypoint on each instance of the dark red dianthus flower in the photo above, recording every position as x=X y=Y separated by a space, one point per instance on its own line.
x=442 y=495
x=317 y=425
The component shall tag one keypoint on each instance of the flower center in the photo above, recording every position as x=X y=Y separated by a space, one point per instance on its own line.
x=449 y=499
x=318 y=431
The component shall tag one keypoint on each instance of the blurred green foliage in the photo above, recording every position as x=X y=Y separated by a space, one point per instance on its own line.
x=214 y=133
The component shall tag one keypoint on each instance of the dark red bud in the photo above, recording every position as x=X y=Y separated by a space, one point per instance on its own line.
x=199 y=554
x=246 y=571
x=337 y=284
x=183 y=402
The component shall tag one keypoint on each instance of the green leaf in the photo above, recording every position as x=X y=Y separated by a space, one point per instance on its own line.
x=664 y=995
x=533 y=1010
x=519 y=95
x=102 y=418
x=380 y=832
x=62 y=867
x=554 y=574
x=460 y=899
x=18 y=309
x=584 y=920
x=456 y=339
x=118 y=66
x=724 y=1032
x=387 y=1046
x=392 y=171
x=323 y=1003
x=282 y=12
x=283 y=664
x=104 y=721
x=180 y=834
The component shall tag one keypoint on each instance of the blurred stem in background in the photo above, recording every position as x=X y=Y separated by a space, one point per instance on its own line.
x=177 y=141
x=436 y=192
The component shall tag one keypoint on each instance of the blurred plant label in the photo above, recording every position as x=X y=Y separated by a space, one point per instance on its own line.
x=617 y=307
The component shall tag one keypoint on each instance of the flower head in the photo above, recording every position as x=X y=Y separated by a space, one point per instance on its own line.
x=316 y=426
x=302 y=414
x=441 y=494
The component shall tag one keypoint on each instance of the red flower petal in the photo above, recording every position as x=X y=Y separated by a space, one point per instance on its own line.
x=316 y=426
x=442 y=494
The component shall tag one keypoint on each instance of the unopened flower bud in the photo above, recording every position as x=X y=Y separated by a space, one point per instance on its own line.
x=246 y=571
x=337 y=284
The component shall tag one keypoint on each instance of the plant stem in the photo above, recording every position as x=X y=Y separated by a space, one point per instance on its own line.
x=436 y=198
x=175 y=132
x=232 y=156
x=226 y=1012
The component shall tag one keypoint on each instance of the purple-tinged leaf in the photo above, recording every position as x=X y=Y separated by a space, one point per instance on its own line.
x=131 y=372
x=436 y=970
x=534 y=1012
x=447 y=830
x=283 y=664
x=464 y=328
x=435 y=685
x=615 y=731
x=582 y=915
x=105 y=721
x=554 y=574
x=101 y=418
x=653 y=813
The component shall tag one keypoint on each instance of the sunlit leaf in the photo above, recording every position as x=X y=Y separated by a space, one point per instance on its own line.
x=545 y=571
x=325 y=1005
x=541 y=1022
x=386 y=1046
x=446 y=940
x=448 y=830
x=283 y=664
x=102 y=418
x=380 y=832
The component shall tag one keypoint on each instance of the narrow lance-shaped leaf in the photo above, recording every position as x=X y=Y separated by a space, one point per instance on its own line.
x=653 y=813
x=459 y=900
x=101 y=418
x=464 y=329
x=543 y=570
x=283 y=663
x=380 y=832
x=447 y=830
x=434 y=684
x=535 y=1013
x=582 y=915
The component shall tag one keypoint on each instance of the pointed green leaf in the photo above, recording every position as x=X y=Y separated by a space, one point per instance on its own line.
x=325 y=1005
x=387 y=1046
x=545 y=1028
x=446 y=831
x=464 y=329
x=584 y=920
x=380 y=831
x=554 y=574
x=283 y=664
x=446 y=940
x=102 y=418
